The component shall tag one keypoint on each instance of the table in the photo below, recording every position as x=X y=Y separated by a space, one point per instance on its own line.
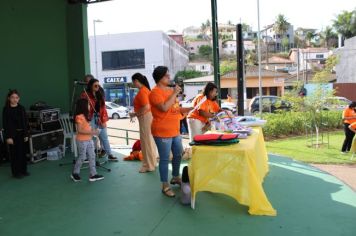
x=236 y=170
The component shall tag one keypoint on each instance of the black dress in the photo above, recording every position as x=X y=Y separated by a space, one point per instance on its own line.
x=15 y=126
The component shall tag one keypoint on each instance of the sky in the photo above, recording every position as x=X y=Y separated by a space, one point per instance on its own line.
x=121 y=16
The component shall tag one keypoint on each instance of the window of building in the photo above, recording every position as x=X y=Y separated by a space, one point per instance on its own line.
x=125 y=59
x=319 y=56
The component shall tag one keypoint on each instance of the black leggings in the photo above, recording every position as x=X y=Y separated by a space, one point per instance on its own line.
x=18 y=155
x=349 y=136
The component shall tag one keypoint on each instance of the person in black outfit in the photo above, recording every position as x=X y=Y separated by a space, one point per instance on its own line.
x=15 y=125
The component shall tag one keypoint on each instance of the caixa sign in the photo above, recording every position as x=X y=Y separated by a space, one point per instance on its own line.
x=109 y=80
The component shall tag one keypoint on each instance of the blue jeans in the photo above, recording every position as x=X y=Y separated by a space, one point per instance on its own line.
x=165 y=146
x=103 y=136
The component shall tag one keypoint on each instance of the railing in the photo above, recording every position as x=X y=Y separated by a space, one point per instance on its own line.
x=127 y=137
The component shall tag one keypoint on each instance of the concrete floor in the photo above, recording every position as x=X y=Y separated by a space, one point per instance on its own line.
x=308 y=201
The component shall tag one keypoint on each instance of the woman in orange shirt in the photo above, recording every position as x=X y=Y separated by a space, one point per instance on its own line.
x=144 y=116
x=198 y=119
x=165 y=126
x=348 y=117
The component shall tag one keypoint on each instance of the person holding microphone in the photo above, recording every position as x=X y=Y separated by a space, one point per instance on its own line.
x=165 y=126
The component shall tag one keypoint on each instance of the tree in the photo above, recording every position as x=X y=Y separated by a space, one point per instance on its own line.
x=309 y=37
x=285 y=43
x=205 y=50
x=281 y=25
x=251 y=58
x=245 y=27
x=329 y=37
x=227 y=66
x=345 y=23
x=186 y=74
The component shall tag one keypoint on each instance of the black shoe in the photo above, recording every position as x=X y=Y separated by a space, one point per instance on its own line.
x=112 y=158
x=75 y=177
x=96 y=178
x=26 y=174
x=102 y=153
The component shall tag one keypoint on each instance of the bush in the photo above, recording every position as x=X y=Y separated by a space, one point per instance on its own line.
x=295 y=123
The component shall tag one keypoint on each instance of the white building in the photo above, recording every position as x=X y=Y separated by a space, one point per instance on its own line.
x=229 y=47
x=119 y=56
x=202 y=66
x=346 y=68
x=270 y=35
x=309 y=57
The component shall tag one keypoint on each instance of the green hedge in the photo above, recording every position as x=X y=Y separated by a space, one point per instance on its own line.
x=295 y=123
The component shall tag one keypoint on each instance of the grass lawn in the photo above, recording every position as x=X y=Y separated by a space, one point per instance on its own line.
x=297 y=149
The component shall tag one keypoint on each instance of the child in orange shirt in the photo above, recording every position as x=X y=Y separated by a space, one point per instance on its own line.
x=85 y=142
x=198 y=119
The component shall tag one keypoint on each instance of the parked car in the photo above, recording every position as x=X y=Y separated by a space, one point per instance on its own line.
x=225 y=105
x=336 y=103
x=269 y=104
x=116 y=111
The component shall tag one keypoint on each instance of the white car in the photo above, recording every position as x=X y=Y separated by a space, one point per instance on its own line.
x=116 y=111
x=336 y=103
x=225 y=105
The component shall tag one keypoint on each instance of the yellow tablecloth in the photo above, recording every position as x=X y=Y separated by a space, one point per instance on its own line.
x=236 y=170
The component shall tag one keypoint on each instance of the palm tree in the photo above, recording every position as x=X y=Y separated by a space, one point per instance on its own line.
x=309 y=37
x=281 y=26
x=345 y=24
x=329 y=37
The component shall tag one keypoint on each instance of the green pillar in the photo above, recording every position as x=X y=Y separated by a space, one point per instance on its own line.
x=215 y=34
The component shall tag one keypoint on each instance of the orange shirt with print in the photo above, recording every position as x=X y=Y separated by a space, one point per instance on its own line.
x=164 y=124
x=142 y=99
x=84 y=124
x=207 y=106
x=353 y=125
x=349 y=112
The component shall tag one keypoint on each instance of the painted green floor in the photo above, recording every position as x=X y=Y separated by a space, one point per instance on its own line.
x=309 y=202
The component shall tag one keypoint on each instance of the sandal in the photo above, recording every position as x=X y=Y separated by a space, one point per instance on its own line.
x=177 y=181
x=145 y=170
x=168 y=192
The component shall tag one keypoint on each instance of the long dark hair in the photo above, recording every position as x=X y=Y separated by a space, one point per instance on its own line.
x=81 y=108
x=9 y=94
x=352 y=105
x=99 y=94
x=208 y=88
x=142 y=79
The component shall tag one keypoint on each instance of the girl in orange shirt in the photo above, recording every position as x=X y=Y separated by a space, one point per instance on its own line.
x=198 y=119
x=166 y=126
x=348 y=117
x=85 y=142
x=143 y=113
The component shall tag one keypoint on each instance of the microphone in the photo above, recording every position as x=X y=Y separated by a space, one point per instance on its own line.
x=172 y=84
x=79 y=82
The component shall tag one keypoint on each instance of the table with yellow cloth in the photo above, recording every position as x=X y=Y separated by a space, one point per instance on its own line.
x=236 y=170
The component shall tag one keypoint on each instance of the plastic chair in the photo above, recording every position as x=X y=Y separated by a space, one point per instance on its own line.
x=67 y=126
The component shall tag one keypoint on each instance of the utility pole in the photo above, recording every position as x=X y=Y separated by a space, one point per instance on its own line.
x=215 y=34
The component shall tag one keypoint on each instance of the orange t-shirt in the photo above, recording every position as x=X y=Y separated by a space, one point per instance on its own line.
x=84 y=124
x=349 y=112
x=353 y=125
x=207 y=106
x=164 y=124
x=142 y=98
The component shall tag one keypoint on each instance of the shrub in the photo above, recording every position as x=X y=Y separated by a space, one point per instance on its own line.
x=295 y=123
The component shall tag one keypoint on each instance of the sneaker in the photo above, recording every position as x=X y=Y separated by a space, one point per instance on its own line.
x=96 y=178
x=343 y=153
x=75 y=177
x=112 y=158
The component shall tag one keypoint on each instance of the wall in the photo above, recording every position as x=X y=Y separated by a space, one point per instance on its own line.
x=346 y=69
x=150 y=41
x=42 y=45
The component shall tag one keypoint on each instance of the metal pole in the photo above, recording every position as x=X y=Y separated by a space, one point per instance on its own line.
x=96 y=59
x=240 y=69
x=298 y=65
x=215 y=35
x=259 y=58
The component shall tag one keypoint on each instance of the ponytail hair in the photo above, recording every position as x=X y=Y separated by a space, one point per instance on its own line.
x=142 y=79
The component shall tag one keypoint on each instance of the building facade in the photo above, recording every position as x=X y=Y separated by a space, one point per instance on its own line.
x=119 y=56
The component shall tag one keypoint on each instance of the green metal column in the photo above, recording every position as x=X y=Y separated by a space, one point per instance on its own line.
x=215 y=34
